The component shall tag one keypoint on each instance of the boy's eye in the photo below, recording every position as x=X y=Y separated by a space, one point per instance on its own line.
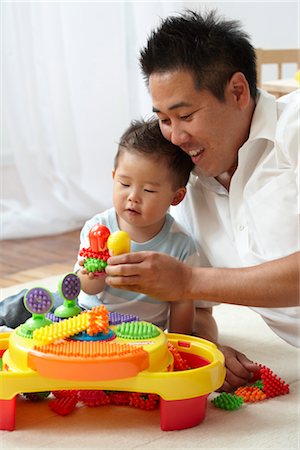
x=149 y=190
x=124 y=184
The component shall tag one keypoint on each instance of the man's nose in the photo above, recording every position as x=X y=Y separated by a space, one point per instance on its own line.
x=178 y=136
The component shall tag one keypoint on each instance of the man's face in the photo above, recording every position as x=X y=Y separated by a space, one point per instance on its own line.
x=203 y=126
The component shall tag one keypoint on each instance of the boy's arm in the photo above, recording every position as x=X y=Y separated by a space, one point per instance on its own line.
x=205 y=325
x=181 y=317
x=91 y=285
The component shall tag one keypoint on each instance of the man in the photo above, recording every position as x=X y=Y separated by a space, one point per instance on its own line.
x=241 y=205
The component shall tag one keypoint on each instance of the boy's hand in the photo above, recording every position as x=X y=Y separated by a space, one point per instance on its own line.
x=91 y=283
x=91 y=275
x=83 y=271
x=239 y=369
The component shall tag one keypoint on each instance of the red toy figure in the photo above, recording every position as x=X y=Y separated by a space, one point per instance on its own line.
x=98 y=236
x=96 y=255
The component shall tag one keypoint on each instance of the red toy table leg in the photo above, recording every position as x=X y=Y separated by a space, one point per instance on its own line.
x=8 y=414
x=181 y=414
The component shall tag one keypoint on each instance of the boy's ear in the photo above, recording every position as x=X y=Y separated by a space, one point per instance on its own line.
x=113 y=173
x=178 y=196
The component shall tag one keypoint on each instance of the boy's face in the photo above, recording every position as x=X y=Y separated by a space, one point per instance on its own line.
x=142 y=192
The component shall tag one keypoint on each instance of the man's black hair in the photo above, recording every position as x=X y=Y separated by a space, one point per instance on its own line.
x=207 y=45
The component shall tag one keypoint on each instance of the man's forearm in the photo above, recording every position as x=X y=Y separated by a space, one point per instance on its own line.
x=272 y=284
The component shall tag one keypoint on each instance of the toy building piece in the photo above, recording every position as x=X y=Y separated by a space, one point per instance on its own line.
x=250 y=393
x=144 y=401
x=119 y=398
x=94 y=257
x=94 y=398
x=116 y=318
x=64 y=405
x=66 y=393
x=69 y=289
x=38 y=301
x=228 y=401
x=272 y=384
x=266 y=384
x=137 y=330
x=98 y=236
x=102 y=245
x=179 y=362
x=118 y=243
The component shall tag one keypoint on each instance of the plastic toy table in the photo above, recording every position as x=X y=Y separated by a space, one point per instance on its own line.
x=97 y=350
x=144 y=365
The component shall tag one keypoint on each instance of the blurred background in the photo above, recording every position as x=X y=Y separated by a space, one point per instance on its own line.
x=70 y=85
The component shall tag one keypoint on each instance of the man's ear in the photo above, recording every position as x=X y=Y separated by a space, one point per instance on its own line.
x=113 y=173
x=239 y=89
x=178 y=196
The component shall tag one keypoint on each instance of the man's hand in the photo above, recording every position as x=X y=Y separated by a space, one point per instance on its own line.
x=239 y=369
x=155 y=274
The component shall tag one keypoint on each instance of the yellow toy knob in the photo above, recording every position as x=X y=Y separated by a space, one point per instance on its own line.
x=297 y=76
x=118 y=242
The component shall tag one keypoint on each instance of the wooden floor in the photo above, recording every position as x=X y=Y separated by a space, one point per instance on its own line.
x=23 y=260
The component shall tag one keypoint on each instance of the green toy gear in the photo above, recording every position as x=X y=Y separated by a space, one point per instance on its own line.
x=137 y=330
x=228 y=401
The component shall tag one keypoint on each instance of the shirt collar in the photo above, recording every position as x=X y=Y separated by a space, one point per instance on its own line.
x=263 y=124
x=208 y=182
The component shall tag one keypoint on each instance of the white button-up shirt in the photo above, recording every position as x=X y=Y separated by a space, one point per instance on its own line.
x=257 y=220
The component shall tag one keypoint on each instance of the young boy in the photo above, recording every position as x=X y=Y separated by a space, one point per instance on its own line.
x=150 y=175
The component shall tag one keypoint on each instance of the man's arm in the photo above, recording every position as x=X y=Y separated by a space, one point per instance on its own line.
x=271 y=284
x=239 y=369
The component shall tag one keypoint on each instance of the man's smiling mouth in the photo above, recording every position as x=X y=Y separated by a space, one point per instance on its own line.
x=195 y=153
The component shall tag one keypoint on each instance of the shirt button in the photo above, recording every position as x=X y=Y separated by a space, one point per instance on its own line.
x=241 y=227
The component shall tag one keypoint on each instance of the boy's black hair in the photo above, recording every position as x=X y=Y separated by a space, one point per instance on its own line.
x=146 y=138
x=210 y=47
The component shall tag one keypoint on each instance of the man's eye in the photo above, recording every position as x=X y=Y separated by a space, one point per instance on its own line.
x=188 y=116
x=165 y=121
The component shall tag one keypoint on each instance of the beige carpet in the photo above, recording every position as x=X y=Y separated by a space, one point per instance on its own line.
x=270 y=424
